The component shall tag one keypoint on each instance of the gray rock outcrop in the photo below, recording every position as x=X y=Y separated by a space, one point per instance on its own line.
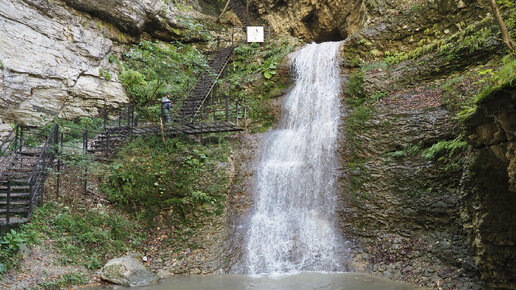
x=48 y=56
x=127 y=271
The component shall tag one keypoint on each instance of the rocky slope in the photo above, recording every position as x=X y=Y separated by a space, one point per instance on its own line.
x=54 y=55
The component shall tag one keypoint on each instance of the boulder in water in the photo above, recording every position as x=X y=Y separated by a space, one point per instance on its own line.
x=127 y=271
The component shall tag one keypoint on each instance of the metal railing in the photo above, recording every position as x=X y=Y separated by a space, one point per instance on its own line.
x=223 y=109
x=39 y=172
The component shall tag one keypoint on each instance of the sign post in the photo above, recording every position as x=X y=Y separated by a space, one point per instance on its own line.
x=255 y=34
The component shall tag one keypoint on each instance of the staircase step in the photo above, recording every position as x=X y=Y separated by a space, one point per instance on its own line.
x=16 y=195
x=30 y=153
x=14 y=220
x=15 y=203
x=3 y=188
x=15 y=210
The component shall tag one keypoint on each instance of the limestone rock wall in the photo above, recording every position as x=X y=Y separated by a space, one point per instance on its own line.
x=313 y=20
x=441 y=223
x=54 y=55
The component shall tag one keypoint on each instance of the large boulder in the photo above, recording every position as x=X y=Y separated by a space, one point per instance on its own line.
x=127 y=271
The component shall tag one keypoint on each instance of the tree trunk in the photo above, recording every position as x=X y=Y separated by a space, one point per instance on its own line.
x=503 y=28
x=224 y=10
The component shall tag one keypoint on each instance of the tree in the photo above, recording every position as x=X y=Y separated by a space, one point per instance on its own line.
x=503 y=28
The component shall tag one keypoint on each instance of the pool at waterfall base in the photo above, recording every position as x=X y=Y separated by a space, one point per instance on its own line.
x=278 y=281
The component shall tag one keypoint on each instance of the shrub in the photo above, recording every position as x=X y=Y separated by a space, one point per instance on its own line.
x=178 y=175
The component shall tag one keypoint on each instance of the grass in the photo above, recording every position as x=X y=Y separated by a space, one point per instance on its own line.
x=64 y=281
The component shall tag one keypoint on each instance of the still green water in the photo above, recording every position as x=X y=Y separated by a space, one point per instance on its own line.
x=298 y=281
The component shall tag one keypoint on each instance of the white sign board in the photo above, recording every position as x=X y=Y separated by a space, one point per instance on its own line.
x=255 y=34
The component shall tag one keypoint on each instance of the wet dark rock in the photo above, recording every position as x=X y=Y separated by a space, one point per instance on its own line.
x=404 y=215
x=489 y=185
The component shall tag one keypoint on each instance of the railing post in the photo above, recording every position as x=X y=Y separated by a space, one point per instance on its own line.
x=227 y=108
x=85 y=149
x=21 y=139
x=16 y=138
x=105 y=117
x=245 y=117
x=56 y=156
x=237 y=113
x=106 y=144
x=58 y=182
x=8 y=207
x=213 y=106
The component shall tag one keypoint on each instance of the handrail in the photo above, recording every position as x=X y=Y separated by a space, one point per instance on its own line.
x=44 y=150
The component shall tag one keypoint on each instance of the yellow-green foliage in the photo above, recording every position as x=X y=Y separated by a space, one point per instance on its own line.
x=472 y=37
x=506 y=75
x=446 y=148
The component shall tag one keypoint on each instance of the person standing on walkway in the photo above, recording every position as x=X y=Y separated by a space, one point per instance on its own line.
x=166 y=105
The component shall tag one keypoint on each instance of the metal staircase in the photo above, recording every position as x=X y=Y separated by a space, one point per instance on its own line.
x=240 y=9
x=23 y=173
x=204 y=86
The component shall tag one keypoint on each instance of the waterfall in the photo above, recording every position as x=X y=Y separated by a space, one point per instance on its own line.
x=293 y=225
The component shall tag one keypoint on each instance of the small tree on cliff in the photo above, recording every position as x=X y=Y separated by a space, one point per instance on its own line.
x=503 y=28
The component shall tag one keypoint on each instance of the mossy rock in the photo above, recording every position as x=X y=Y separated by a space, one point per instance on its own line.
x=127 y=271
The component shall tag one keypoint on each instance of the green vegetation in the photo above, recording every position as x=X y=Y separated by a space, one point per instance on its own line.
x=105 y=74
x=358 y=175
x=79 y=235
x=178 y=176
x=509 y=7
x=84 y=235
x=442 y=150
x=10 y=244
x=445 y=149
x=252 y=78
x=464 y=90
x=150 y=69
x=471 y=39
x=505 y=75
x=65 y=280
x=355 y=95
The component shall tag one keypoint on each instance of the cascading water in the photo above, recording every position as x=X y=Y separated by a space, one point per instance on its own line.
x=293 y=226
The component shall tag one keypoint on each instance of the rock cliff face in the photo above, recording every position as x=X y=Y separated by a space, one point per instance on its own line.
x=54 y=55
x=401 y=210
x=489 y=188
x=313 y=20
x=330 y=20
